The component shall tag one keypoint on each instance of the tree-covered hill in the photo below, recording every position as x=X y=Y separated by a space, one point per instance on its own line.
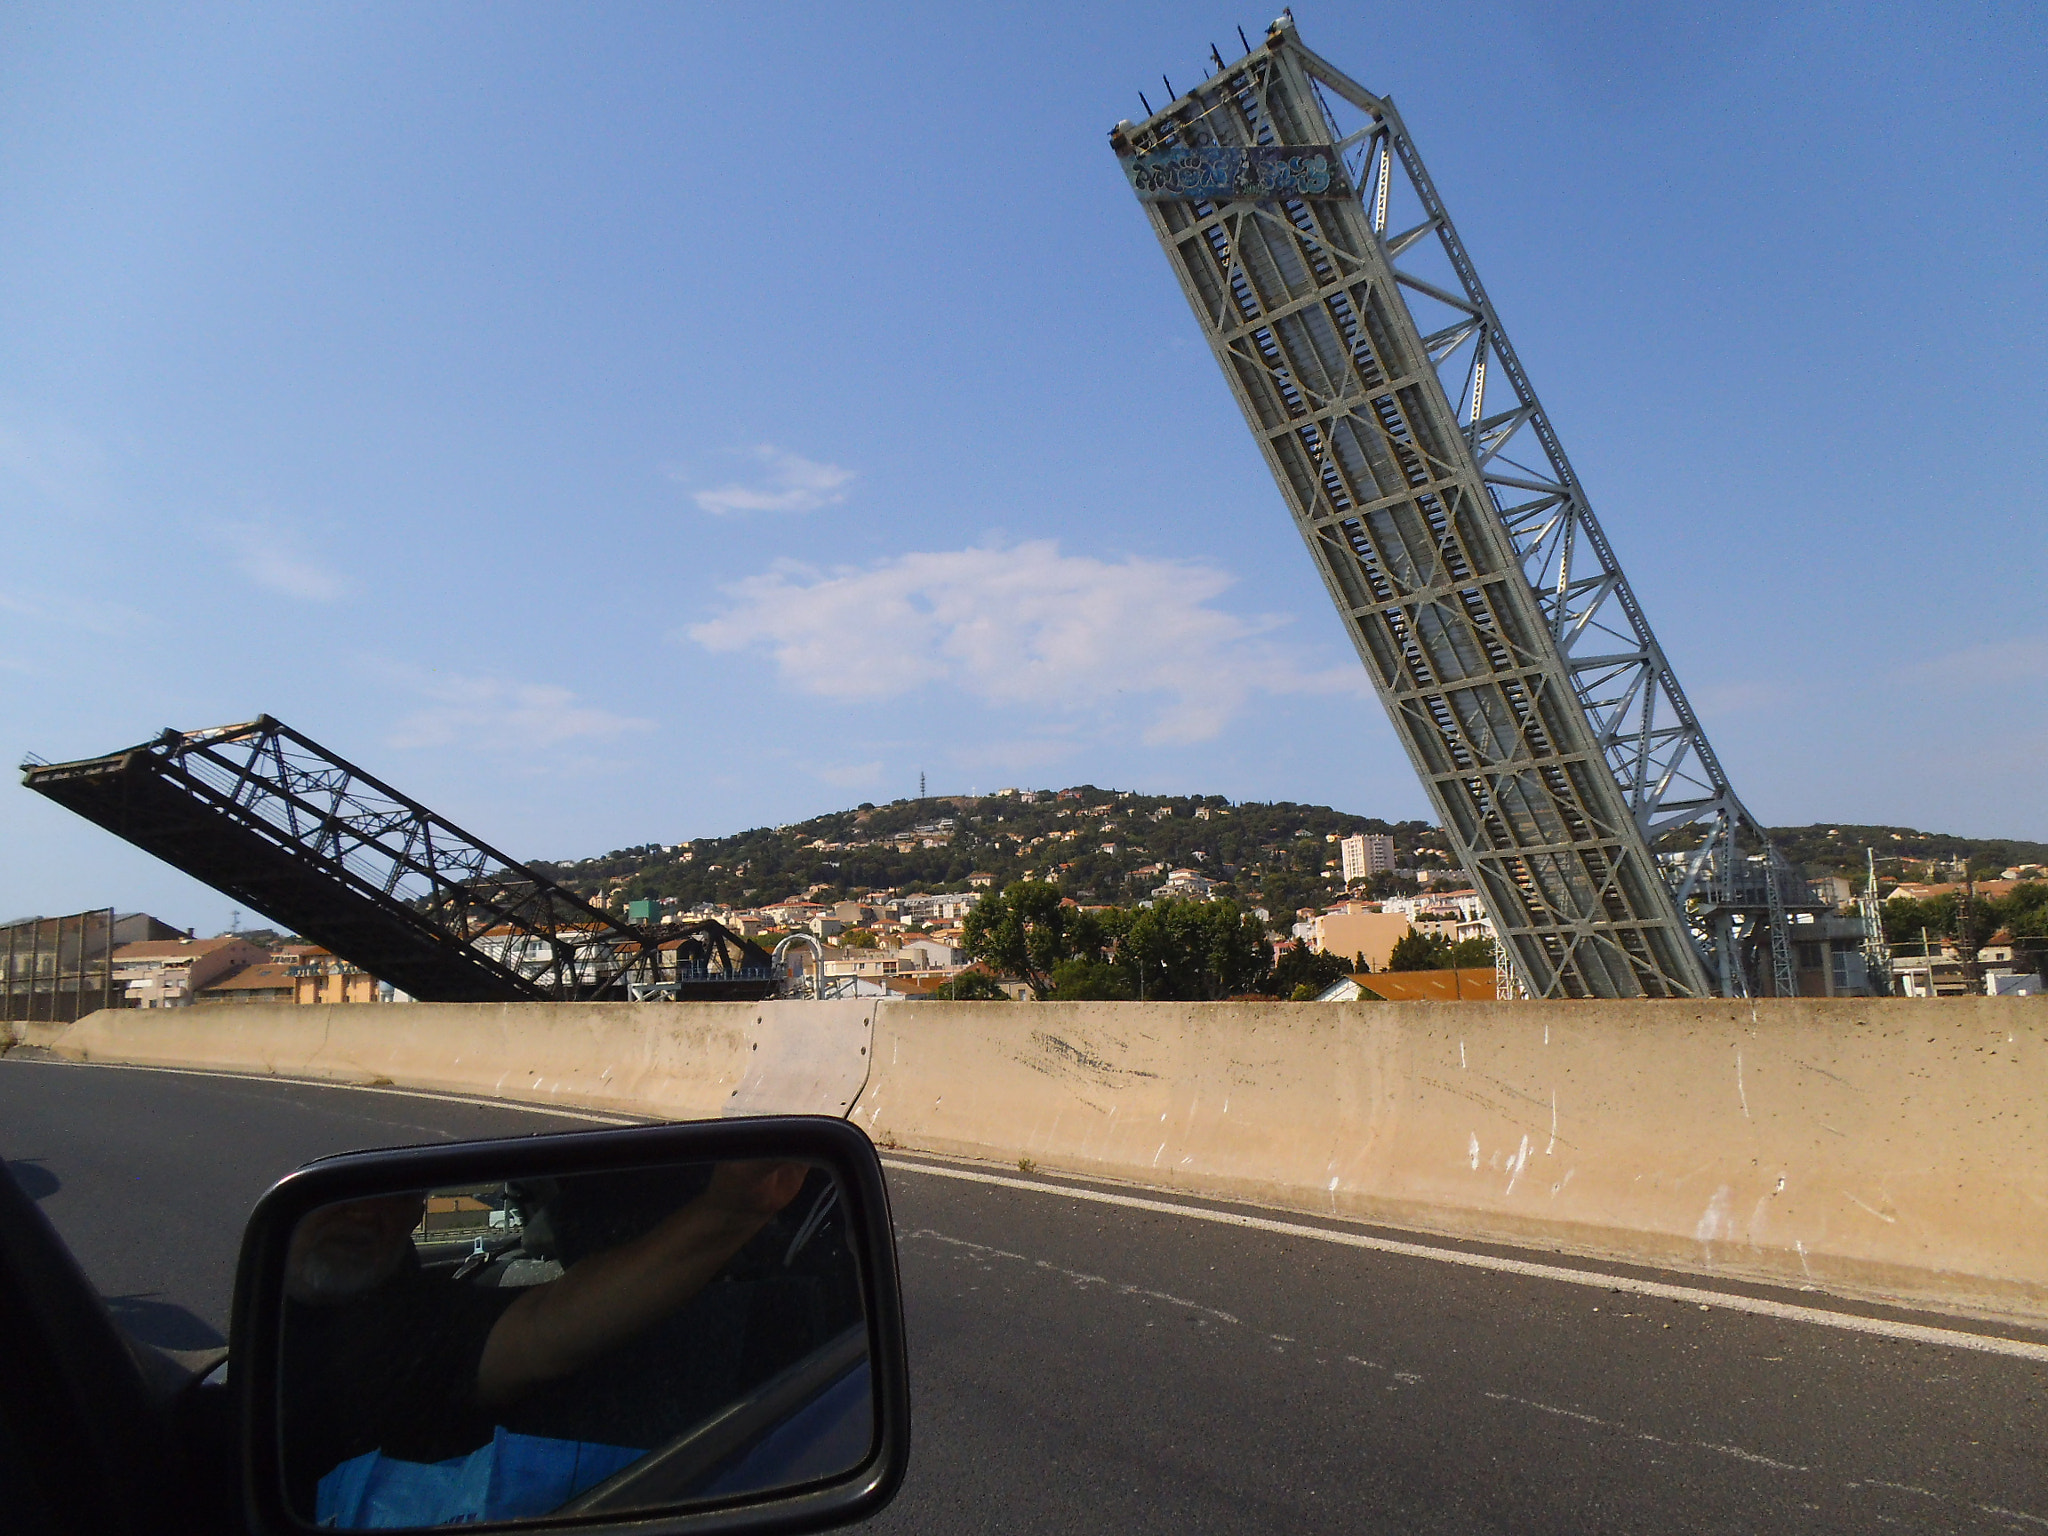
x=1902 y=853
x=1097 y=844
x=1109 y=846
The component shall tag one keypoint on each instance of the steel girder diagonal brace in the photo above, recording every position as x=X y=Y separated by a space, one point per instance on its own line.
x=1482 y=595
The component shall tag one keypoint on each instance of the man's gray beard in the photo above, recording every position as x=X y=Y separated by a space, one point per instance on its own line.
x=326 y=1277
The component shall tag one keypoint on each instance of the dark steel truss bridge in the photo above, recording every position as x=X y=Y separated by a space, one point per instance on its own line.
x=287 y=828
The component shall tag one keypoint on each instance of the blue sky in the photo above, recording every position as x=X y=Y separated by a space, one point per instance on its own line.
x=633 y=423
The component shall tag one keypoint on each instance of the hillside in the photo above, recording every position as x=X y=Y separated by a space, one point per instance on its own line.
x=1110 y=846
x=1838 y=849
x=1101 y=845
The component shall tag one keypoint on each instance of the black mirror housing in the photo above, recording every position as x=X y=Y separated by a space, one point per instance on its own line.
x=830 y=1146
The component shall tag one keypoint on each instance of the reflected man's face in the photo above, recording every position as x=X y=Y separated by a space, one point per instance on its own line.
x=341 y=1251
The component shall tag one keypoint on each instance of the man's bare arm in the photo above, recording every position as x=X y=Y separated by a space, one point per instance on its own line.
x=609 y=1297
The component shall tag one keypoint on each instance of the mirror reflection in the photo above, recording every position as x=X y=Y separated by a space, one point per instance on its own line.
x=589 y=1343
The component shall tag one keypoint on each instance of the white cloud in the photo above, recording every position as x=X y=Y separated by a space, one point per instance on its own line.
x=1023 y=628
x=1018 y=757
x=1750 y=696
x=72 y=612
x=285 y=571
x=58 y=463
x=788 y=483
x=850 y=775
x=274 y=556
x=496 y=712
x=1999 y=664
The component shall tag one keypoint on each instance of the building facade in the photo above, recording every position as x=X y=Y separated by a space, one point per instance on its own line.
x=1366 y=854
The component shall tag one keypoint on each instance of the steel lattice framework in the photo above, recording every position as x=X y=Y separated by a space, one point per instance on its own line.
x=1559 y=750
x=275 y=820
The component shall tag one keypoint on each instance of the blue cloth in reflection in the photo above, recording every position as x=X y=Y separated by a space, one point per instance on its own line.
x=513 y=1478
x=830 y=1434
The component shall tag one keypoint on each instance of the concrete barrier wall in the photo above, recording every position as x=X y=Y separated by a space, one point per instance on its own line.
x=680 y=1061
x=1893 y=1150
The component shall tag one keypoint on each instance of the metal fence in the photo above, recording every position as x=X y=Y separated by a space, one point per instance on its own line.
x=57 y=968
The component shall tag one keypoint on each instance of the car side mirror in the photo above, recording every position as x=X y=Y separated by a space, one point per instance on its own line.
x=675 y=1327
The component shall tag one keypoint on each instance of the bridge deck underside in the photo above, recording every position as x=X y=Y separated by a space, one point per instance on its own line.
x=130 y=797
x=274 y=820
x=1298 y=300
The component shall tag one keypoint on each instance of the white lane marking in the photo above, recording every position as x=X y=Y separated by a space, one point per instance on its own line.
x=2012 y=1514
x=1882 y=1327
x=1079 y=1277
x=1738 y=1452
x=1705 y=1445
x=318 y=1082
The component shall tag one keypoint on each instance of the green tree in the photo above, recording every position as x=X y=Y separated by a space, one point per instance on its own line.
x=1300 y=968
x=1191 y=951
x=1284 y=894
x=973 y=986
x=1083 y=980
x=1905 y=919
x=1025 y=931
x=2025 y=914
x=2026 y=909
x=1420 y=952
x=1471 y=954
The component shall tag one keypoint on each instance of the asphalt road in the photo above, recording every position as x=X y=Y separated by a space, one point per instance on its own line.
x=1080 y=1367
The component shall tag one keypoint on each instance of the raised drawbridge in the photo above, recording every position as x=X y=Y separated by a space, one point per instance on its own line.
x=287 y=828
x=1571 y=774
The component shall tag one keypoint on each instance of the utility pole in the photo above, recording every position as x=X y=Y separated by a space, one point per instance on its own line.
x=1877 y=953
x=1966 y=933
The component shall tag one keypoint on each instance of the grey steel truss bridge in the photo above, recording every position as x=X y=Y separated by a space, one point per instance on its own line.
x=1481 y=593
x=273 y=819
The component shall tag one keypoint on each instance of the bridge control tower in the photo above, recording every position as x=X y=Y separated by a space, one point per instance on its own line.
x=1481 y=593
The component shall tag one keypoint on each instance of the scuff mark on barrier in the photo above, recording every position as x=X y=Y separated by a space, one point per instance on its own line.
x=1510 y=1089
x=1517 y=1163
x=1105 y=1074
x=1824 y=1072
x=1880 y=1215
x=1714 y=1221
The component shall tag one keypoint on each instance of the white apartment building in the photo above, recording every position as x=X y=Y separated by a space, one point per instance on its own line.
x=1187 y=883
x=911 y=955
x=1366 y=854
